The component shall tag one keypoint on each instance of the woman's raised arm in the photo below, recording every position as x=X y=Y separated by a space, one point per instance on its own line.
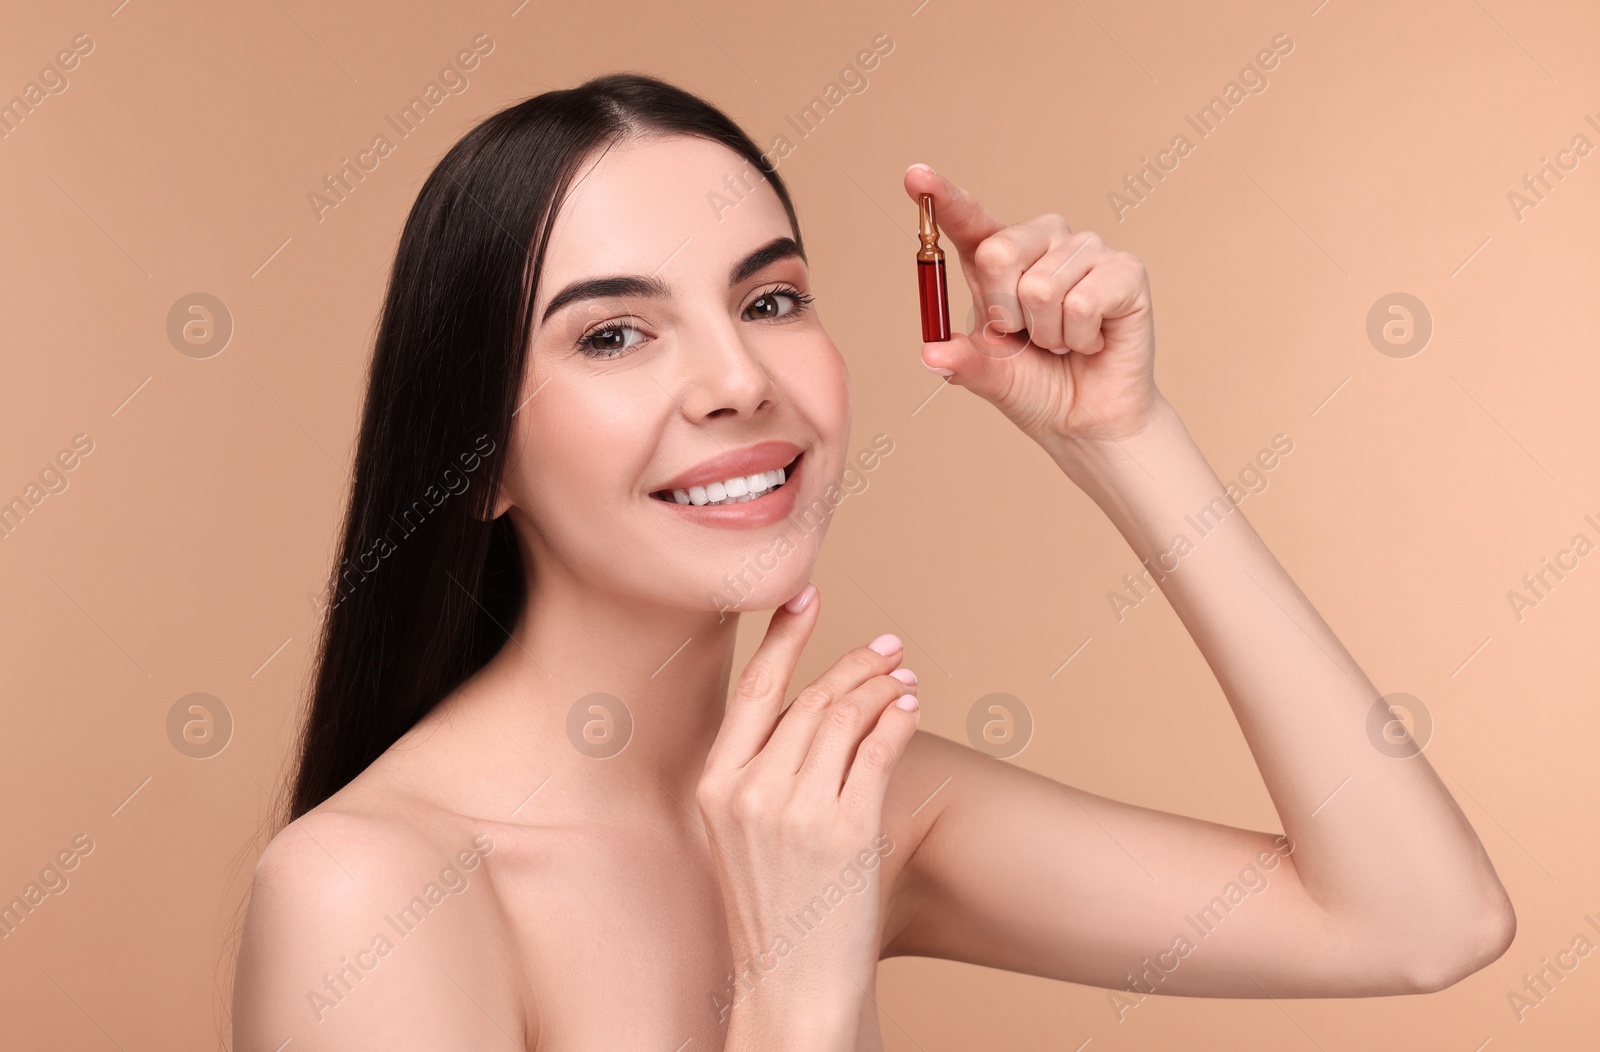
x=1379 y=867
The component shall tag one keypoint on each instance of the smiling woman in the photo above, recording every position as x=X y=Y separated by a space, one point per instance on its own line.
x=545 y=663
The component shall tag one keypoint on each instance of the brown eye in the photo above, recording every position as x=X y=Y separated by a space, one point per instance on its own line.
x=768 y=305
x=608 y=341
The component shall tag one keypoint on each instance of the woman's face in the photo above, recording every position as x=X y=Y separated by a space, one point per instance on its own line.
x=720 y=372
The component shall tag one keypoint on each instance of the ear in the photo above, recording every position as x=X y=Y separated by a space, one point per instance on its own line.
x=502 y=504
x=502 y=501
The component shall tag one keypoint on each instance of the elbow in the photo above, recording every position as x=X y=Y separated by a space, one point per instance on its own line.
x=1480 y=938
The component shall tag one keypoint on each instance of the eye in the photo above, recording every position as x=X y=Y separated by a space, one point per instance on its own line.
x=766 y=306
x=606 y=341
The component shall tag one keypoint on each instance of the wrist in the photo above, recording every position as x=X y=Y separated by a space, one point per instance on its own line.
x=1100 y=458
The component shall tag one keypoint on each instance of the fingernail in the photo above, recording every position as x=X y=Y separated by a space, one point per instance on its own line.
x=907 y=702
x=936 y=369
x=925 y=167
x=904 y=675
x=886 y=644
x=802 y=599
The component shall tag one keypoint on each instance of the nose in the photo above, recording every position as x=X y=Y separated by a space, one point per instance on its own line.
x=721 y=375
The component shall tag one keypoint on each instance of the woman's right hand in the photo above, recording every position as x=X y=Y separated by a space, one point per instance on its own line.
x=793 y=803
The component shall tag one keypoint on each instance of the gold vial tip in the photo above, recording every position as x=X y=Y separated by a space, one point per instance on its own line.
x=928 y=231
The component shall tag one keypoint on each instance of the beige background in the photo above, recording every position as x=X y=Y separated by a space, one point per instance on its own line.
x=181 y=556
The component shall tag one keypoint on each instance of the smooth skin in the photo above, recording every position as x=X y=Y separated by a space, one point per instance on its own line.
x=644 y=900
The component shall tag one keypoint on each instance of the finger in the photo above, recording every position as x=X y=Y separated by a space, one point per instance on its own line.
x=998 y=264
x=875 y=760
x=1084 y=307
x=758 y=700
x=791 y=740
x=961 y=217
x=986 y=365
x=845 y=724
x=1044 y=285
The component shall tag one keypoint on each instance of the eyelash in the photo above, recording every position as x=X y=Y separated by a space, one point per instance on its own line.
x=802 y=302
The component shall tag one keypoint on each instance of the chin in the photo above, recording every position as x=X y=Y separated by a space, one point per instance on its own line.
x=764 y=576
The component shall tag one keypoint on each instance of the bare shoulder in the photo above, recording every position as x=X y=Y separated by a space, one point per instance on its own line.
x=370 y=927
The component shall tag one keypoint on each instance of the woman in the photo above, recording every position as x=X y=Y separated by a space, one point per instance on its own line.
x=527 y=813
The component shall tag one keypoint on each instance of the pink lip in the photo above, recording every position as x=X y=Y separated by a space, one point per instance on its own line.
x=751 y=460
x=764 y=510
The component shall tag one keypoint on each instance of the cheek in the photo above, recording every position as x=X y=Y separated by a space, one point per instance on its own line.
x=819 y=384
x=583 y=446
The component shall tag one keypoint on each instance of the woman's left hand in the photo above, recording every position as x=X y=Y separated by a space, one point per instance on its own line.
x=1064 y=342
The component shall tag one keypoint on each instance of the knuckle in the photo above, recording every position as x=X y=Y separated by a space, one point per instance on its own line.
x=712 y=799
x=1035 y=289
x=813 y=699
x=752 y=684
x=748 y=803
x=800 y=823
x=1002 y=309
x=994 y=254
x=1092 y=239
x=864 y=662
x=875 y=754
x=847 y=714
x=1080 y=304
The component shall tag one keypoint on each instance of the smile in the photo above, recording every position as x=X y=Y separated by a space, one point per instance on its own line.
x=736 y=490
x=742 y=501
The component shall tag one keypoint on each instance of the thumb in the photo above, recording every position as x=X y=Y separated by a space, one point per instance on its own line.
x=983 y=363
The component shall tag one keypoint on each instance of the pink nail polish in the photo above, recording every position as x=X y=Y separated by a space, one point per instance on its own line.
x=904 y=675
x=907 y=702
x=801 y=600
x=886 y=644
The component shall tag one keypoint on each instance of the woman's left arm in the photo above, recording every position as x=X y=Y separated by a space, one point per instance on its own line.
x=1381 y=875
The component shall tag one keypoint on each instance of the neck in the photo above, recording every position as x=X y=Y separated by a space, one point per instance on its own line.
x=586 y=671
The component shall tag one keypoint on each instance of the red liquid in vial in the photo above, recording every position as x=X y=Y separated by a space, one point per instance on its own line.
x=935 y=304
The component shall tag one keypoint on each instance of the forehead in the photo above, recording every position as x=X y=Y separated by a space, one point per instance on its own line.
x=683 y=201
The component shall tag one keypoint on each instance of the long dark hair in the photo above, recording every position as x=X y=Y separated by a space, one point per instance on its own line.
x=426 y=588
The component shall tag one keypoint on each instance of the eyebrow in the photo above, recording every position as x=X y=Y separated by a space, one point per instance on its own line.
x=652 y=286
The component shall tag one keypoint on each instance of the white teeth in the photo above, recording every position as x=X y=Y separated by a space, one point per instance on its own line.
x=736 y=490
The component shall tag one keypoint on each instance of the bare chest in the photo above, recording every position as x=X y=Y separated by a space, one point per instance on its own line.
x=625 y=943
